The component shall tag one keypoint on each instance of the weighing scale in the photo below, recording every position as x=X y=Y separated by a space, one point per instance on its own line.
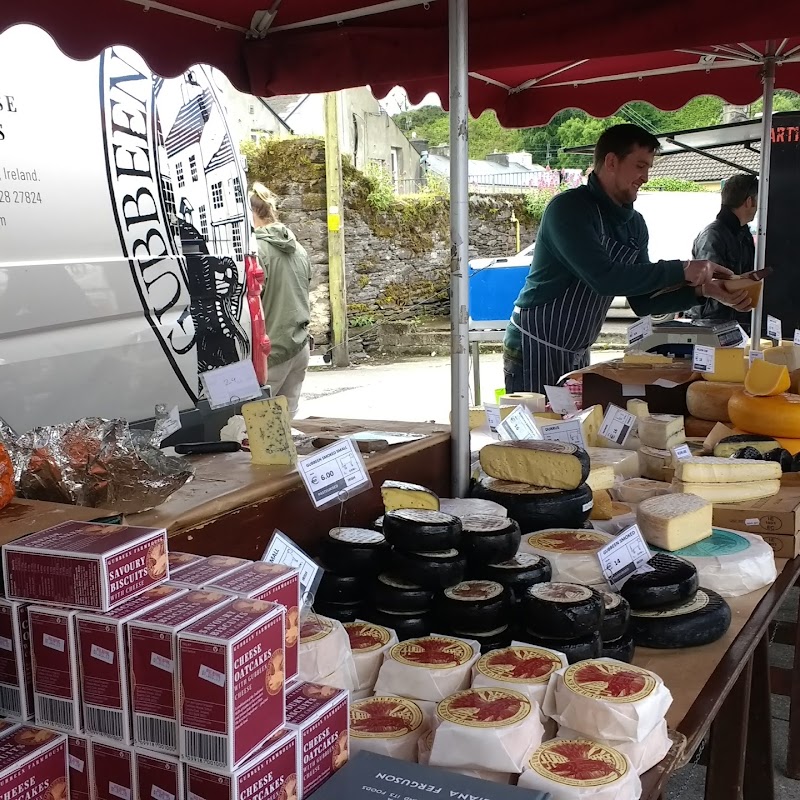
x=677 y=339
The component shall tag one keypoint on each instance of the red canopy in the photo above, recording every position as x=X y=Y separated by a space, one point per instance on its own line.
x=528 y=58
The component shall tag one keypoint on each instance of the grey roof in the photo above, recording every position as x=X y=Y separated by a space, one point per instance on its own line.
x=692 y=166
x=188 y=126
x=441 y=166
x=283 y=104
x=224 y=155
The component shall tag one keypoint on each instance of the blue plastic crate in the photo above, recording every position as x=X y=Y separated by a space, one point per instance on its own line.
x=493 y=290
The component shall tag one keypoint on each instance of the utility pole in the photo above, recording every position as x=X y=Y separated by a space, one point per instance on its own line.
x=336 y=279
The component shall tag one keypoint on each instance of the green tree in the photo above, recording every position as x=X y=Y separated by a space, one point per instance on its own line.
x=576 y=131
x=784 y=100
x=487 y=135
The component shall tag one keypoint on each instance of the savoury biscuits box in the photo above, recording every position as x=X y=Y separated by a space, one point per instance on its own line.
x=113 y=771
x=180 y=561
x=159 y=776
x=208 y=571
x=16 y=676
x=80 y=774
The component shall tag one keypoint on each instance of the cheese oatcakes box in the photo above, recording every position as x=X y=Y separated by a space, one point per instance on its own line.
x=33 y=765
x=16 y=676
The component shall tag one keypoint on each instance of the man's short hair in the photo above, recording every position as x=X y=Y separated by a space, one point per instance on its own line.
x=737 y=189
x=621 y=141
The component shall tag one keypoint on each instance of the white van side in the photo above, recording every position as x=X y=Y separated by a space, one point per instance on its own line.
x=124 y=236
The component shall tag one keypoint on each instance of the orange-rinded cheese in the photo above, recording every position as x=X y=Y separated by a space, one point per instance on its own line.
x=709 y=400
x=765 y=379
x=770 y=416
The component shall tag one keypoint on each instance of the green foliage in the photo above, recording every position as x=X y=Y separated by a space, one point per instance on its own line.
x=784 y=100
x=672 y=185
x=536 y=202
x=577 y=131
x=381 y=195
x=361 y=320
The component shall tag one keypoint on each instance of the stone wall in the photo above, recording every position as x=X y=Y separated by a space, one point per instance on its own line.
x=396 y=259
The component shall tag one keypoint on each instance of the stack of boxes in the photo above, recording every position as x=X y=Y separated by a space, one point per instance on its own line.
x=155 y=675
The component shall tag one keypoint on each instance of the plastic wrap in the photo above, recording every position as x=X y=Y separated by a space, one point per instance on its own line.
x=389 y=726
x=572 y=553
x=368 y=643
x=324 y=655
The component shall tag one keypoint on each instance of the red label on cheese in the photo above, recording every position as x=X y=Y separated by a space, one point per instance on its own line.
x=569 y=541
x=484 y=708
x=579 y=763
x=432 y=652
x=315 y=628
x=474 y=590
x=384 y=718
x=366 y=637
x=616 y=683
x=519 y=665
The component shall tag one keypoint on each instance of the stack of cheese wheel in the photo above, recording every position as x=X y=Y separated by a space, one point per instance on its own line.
x=708 y=399
x=727 y=480
x=368 y=643
x=659 y=433
x=324 y=655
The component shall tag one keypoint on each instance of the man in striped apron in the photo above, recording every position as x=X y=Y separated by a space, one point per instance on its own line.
x=591 y=247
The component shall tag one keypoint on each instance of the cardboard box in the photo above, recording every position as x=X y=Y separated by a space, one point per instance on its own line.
x=271 y=774
x=33 y=764
x=113 y=773
x=54 y=660
x=153 y=654
x=208 y=571
x=231 y=667
x=775 y=519
x=21 y=517
x=158 y=776
x=103 y=654
x=321 y=717
x=85 y=565
x=274 y=583
x=16 y=675
x=179 y=561
x=80 y=770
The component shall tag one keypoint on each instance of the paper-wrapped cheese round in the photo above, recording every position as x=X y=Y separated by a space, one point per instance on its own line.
x=606 y=699
x=580 y=769
x=427 y=668
x=389 y=726
x=425 y=745
x=487 y=728
x=324 y=653
x=572 y=553
x=368 y=642
x=643 y=755
x=731 y=563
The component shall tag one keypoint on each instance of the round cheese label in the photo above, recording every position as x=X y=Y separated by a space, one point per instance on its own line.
x=560 y=592
x=182 y=558
x=484 y=708
x=609 y=681
x=439 y=554
x=396 y=583
x=315 y=628
x=517 y=664
x=474 y=591
x=720 y=543
x=202 y=597
x=578 y=541
x=697 y=603
x=366 y=637
x=357 y=536
x=423 y=516
x=521 y=561
x=579 y=762
x=611 y=600
x=485 y=523
x=273 y=570
x=384 y=717
x=509 y=487
x=432 y=652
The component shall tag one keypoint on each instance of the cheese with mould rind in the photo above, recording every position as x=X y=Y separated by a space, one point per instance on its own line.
x=661 y=431
x=269 y=432
x=656 y=464
x=635 y=490
x=556 y=465
x=710 y=469
x=674 y=521
x=625 y=463
x=730 y=492
x=399 y=494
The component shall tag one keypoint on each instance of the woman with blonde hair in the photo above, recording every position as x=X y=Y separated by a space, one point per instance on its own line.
x=285 y=299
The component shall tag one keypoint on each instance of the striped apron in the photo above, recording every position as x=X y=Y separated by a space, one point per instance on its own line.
x=557 y=336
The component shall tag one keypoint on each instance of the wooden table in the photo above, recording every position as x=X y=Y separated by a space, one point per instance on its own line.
x=232 y=507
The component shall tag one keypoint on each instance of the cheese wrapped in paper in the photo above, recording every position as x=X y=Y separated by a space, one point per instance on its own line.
x=572 y=553
x=368 y=643
x=324 y=655
x=389 y=726
x=425 y=745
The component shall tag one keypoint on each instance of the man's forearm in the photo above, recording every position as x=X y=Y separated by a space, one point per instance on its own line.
x=671 y=302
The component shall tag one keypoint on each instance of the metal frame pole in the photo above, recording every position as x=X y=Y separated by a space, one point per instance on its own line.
x=459 y=247
x=763 y=188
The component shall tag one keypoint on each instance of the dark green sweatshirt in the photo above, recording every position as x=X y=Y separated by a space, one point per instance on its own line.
x=568 y=250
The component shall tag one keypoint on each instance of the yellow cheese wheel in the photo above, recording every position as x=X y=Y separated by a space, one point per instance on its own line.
x=769 y=416
x=765 y=379
x=709 y=400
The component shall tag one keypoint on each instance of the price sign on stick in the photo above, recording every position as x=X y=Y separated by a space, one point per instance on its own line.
x=233 y=383
x=569 y=431
x=334 y=474
x=774 y=328
x=282 y=550
x=561 y=399
x=518 y=425
x=703 y=359
x=623 y=555
x=617 y=424
x=640 y=330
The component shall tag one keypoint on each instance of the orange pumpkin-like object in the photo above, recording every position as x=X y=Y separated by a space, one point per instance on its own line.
x=6 y=478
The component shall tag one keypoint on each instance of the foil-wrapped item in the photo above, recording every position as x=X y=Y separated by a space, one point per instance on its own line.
x=97 y=463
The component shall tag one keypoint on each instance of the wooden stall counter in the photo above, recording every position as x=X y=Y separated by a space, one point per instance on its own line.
x=232 y=507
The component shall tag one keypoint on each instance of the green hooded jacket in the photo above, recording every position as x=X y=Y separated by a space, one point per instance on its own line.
x=285 y=299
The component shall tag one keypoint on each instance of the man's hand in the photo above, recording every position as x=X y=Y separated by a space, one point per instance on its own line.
x=739 y=299
x=698 y=273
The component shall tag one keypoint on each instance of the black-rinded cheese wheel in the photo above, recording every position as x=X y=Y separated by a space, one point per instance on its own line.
x=562 y=610
x=407 y=626
x=487 y=539
x=616 y=615
x=436 y=570
x=474 y=606
x=334 y=588
x=621 y=649
x=488 y=640
x=393 y=594
x=354 y=551
x=519 y=572
x=536 y=508
x=672 y=581
x=418 y=530
x=344 y=612
x=575 y=650
x=701 y=620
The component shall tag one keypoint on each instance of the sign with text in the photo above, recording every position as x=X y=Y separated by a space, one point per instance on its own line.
x=640 y=330
x=334 y=474
x=797 y=335
x=617 y=424
x=703 y=359
x=623 y=556
x=518 y=425
x=681 y=452
x=282 y=550
x=231 y=384
x=492 y=416
x=569 y=431
x=774 y=328
x=561 y=399
x=755 y=355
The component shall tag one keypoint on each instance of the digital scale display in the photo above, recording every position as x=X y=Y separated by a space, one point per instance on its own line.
x=677 y=339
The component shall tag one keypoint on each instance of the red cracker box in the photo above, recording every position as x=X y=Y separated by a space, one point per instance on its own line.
x=85 y=564
x=102 y=650
x=80 y=771
x=54 y=660
x=113 y=773
x=158 y=776
x=271 y=774
x=274 y=583
x=321 y=717
x=16 y=677
x=179 y=562
x=208 y=571
x=33 y=765
x=232 y=676
x=153 y=654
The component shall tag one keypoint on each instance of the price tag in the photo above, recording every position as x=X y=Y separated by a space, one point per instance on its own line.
x=623 y=556
x=334 y=474
x=518 y=425
x=172 y=423
x=492 y=416
x=681 y=451
x=756 y=355
x=569 y=431
x=797 y=336
x=703 y=358
x=774 y=328
x=231 y=384
x=282 y=550
x=617 y=424
x=640 y=330
x=561 y=399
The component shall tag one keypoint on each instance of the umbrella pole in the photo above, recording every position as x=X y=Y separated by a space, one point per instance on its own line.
x=459 y=248
x=763 y=189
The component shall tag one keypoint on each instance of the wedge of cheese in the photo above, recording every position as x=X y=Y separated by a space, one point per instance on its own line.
x=734 y=492
x=765 y=379
x=636 y=490
x=730 y=366
x=662 y=431
x=673 y=521
x=601 y=476
x=640 y=357
x=269 y=431
x=591 y=419
x=786 y=353
x=554 y=465
x=398 y=494
x=625 y=463
x=603 y=506
x=638 y=408
x=726 y=470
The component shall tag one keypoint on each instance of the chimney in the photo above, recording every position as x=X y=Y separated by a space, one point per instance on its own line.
x=498 y=158
x=440 y=150
x=420 y=145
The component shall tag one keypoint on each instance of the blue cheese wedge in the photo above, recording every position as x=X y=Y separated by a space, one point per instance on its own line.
x=269 y=432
